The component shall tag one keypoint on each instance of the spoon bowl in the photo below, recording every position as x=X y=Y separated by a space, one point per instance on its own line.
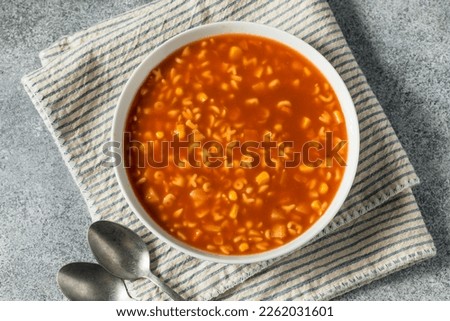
x=119 y=250
x=90 y=282
x=123 y=253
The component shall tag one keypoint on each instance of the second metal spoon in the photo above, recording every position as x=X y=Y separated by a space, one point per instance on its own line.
x=123 y=253
x=90 y=282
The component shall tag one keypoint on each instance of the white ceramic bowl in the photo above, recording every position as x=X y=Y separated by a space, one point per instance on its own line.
x=160 y=53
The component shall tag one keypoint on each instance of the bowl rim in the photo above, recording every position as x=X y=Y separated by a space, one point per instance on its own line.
x=238 y=27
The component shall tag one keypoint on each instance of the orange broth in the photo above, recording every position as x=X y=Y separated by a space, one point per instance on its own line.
x=214 y=96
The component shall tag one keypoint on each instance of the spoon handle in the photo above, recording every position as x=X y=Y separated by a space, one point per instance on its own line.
x=175 y=296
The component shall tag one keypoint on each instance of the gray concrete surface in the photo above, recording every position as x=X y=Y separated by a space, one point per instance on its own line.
x=402 y=46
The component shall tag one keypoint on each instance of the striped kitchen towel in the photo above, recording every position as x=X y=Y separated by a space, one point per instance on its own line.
x=379 y=228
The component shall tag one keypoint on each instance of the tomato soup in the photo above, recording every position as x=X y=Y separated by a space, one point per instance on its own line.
x=235 y=144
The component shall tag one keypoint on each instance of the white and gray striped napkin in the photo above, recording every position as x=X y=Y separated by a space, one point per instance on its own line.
x=379 y=228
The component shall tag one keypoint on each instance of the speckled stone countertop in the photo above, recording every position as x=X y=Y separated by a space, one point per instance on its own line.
x=402 y=46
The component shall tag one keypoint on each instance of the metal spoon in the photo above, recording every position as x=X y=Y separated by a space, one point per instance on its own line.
x=123 y=253
x=90 y=282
